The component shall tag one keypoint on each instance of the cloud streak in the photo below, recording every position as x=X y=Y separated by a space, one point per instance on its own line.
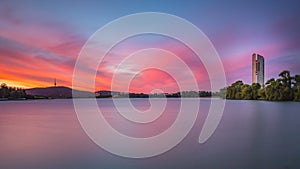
x=39 y=42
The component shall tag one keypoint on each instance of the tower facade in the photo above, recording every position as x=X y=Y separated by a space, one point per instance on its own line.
x=258 y=69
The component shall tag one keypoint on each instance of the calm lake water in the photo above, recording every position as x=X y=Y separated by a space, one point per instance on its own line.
x=45 y=134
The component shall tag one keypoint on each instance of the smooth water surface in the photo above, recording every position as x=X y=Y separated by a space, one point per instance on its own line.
x=45 y=134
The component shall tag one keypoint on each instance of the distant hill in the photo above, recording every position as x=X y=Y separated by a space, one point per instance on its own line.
x=58 y=92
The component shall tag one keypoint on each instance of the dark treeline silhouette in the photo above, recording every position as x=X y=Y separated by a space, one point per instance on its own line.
x=11 y=92
x=285 y=88
x=108 y=94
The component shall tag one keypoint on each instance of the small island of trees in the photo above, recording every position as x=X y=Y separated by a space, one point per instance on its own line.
x=285 y=88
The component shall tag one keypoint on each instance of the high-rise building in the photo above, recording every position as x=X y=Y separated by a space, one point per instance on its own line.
x=258 y=69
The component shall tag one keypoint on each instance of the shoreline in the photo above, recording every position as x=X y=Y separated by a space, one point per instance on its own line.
x=213 y=97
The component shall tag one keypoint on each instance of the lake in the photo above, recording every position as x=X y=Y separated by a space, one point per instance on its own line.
x=46 y=134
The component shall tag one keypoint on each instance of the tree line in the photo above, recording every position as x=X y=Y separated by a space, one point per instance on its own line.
x=109 y=94
x=11 y=92
x=285 y=88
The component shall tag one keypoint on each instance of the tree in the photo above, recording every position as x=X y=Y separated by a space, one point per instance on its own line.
x=234 y=91
x=285 y=88
x=269 y=89
x=230 y=93
x=286 y=92
x=4 y=92
x=11 y=92
x=247 y=92
x=262 y=94
x=296 y=88
x=286 y=78
x=255 y=88
x=297 y=80
x=238 y=89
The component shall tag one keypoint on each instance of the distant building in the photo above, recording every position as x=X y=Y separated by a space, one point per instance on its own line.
x=258 y=69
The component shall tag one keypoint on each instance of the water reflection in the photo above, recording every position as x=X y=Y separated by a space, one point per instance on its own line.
x=252 y=134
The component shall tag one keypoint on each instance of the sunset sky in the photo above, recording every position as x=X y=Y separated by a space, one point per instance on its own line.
x=40 y=40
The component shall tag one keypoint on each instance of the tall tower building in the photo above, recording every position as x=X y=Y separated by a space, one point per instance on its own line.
x=258 y=69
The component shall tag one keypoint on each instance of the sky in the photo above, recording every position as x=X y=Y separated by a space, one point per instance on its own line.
x=41 y=40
